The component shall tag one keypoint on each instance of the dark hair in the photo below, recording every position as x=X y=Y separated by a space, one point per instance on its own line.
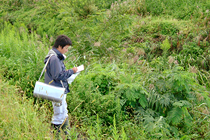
x=62 y=40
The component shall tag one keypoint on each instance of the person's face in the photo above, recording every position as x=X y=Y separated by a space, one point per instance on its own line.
x=64 y=49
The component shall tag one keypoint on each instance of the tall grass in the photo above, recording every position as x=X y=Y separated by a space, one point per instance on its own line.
x=22 y=55
x=19 y=118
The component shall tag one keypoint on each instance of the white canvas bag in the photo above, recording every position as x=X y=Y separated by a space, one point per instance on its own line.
x=47 y=91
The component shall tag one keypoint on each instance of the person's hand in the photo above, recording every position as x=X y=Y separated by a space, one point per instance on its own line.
x=74 y=69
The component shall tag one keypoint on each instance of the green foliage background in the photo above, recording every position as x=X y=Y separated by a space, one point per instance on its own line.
x=146 y=62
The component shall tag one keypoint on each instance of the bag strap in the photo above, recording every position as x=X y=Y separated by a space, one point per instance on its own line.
x=45 y=69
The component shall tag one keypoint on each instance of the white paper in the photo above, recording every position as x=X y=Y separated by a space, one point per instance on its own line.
x=72 y=77
x=80 y=68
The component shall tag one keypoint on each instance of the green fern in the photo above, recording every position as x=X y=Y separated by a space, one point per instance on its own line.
x=165 y=46
x=124 y=136
x=187 y=117
x=115 y=131
x=143 y=101
x=132 y=94
x=175 y=115
x=180 y=112
x=182 y=103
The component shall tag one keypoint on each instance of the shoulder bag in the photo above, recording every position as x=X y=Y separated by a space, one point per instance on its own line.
x=47 y=91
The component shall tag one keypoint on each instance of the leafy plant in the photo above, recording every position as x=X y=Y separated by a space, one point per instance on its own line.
x=146 y=63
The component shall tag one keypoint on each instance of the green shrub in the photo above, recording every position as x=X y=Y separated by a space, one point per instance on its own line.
x=163 y=27
x=129 y=7
x=92 y=94
x=21 y=71
x=177 y=8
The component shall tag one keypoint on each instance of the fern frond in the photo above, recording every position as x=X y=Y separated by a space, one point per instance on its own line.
x=187 y=117
x=175 y=115
x=143 y=101
x=182 y=103
x=152 y=98
x=166 y=100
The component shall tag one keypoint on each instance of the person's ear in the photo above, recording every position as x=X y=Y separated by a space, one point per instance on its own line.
x=59 y=48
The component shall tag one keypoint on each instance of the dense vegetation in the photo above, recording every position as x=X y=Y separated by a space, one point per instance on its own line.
x=19 y=119
x=147 y=63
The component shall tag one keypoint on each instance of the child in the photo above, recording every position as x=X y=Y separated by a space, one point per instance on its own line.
x=57 y=75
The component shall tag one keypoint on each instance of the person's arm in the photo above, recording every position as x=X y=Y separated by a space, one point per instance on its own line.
x=56 y=70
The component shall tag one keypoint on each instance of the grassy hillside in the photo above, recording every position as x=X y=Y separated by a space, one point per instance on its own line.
x=19 y=118
x=147 y=63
